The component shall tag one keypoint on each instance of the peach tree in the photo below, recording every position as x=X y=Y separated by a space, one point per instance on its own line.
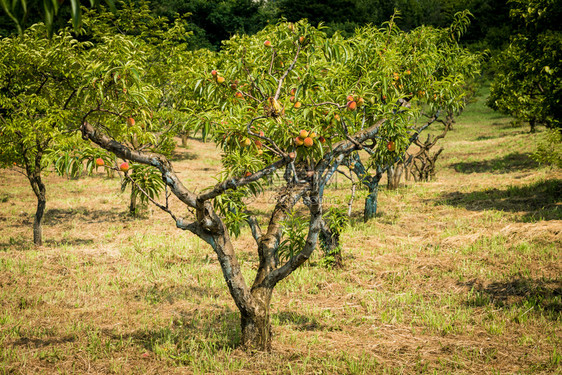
x=293 y=102
x=425 y=76
x=131 y=86
x=39 y=84
x=48 y=85
x=528 y=80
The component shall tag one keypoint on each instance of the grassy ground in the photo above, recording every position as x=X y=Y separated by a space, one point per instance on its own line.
x=459 y=275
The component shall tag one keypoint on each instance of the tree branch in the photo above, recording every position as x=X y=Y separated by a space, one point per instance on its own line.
x=291 y=67
x=159 y=161
x=235 y=183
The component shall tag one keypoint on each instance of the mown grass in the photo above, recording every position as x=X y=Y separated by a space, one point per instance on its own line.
x=458 y=275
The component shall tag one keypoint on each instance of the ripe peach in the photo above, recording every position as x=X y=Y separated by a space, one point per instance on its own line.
x=308 y=142
x=303 y=134
x=124 y=167
x=267 y=43
x=214 y=73
x=351 y=105
x=298 y=105
x=220 y=79
x=292 y=155
x=246 y=142
x=391 y=146
x=99 y=162
x=131 y=121
x=298 y=141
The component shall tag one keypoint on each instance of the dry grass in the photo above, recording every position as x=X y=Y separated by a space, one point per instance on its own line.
x=460 y=275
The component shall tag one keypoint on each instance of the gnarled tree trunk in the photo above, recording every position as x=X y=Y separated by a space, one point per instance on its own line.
x=256 y=326
x=371 y=201
x=423 y=162
x=394 y=173
x=33 y=173
x=40 y=193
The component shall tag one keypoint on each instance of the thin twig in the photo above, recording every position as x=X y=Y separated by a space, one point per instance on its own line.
x=163 y=208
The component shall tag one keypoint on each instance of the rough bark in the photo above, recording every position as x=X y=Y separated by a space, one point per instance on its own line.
x=33 y=173
x=256 y=327
x=370 y=210
x=394 y=173
x=40 y=193
x=371 y=182
x=423 y=162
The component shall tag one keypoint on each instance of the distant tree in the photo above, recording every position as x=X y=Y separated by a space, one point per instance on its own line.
x=528 y=80
x=490 y=26
x=432 y=80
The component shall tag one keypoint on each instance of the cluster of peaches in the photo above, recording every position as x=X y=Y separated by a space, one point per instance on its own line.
x=306 y=138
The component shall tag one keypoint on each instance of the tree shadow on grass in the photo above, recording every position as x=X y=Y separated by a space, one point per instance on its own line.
x=157 y=294
x=541 y=200
x=57 y=216
x=199 y=332
x=41 y=343
x=300 y=321
x=185 y=155
x=26 y=243
x=69 y=242
x=16 y=243
x=543 y=296
x=506 y=164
